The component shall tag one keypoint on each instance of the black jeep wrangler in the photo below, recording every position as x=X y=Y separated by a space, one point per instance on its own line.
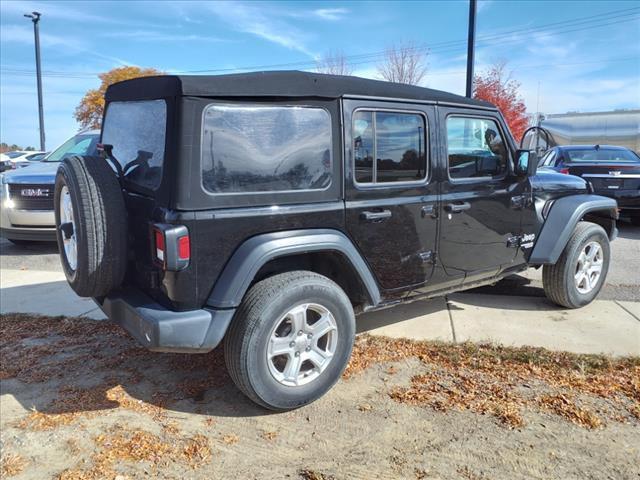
x=267 y=209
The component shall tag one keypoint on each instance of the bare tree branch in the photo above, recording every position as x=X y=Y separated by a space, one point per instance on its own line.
x=404 y=63
x=334 y=63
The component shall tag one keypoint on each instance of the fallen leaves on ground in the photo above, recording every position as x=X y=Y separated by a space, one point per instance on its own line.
x=230 y=439
x=308 y=474
x=124 y=445
x=496 y=380
x=11 y=464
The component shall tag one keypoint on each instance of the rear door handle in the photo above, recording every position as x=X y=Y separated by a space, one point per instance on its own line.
x=428 y=210
x=376 y=216
x=457 y=207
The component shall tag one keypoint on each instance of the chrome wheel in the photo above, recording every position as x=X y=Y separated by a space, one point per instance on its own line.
x=68 y=228
x=302 y=344
x=589 y=267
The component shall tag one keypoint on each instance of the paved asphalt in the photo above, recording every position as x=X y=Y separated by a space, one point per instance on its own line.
x=623 y=280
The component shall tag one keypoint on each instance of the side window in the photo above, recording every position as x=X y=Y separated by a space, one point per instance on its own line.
x=395 y=140
x=475 y=148
x=549 y=158
x=257 y=148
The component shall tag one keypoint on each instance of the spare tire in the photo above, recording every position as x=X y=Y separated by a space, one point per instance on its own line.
x=91 y=225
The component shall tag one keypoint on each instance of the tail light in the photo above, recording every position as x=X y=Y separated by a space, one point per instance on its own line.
x=171 y=246
x=565 y=171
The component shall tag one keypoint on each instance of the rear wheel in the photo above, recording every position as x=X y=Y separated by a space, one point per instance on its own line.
x=290 y=340
x=91 y=225
x=578 y=275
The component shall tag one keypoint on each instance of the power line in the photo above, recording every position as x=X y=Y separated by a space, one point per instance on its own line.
x=588 y=23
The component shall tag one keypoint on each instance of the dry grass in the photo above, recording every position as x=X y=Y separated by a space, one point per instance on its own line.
x=498 y=380
x=11 y=465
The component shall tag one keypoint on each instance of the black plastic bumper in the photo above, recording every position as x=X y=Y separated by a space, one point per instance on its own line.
x=163 y=330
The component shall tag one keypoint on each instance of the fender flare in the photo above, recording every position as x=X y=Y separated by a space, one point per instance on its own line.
x=563 y=217
x=255 y=252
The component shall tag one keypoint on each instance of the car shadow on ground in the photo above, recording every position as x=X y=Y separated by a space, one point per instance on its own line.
x=79 y=366
x=28 y=248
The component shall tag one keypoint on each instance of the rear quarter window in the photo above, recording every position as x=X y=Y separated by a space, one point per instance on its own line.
x=137 y=132
x=257 y=148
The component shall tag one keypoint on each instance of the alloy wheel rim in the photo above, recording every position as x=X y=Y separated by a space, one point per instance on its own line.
x=589 y=267
x=302 y=344
x=68 y=228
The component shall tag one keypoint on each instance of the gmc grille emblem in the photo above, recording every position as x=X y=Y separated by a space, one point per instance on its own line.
x=35 y=192
x=614 y=173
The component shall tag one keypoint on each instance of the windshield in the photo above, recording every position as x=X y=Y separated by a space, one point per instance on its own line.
x=82 y=144
x=602 y=155
x=136 y=130
x=14 y=154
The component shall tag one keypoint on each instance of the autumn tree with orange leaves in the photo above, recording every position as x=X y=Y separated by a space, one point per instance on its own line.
x=89 y=112
x=496 y=87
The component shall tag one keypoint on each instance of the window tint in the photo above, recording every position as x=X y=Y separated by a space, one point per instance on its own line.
x=265 y=149
x=475 y=148
x=137 y=132
x=397 y=142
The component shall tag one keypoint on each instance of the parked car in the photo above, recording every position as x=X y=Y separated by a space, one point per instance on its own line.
x=267 y=209
x=18 y=159
x=27 y=194
x=611 y=171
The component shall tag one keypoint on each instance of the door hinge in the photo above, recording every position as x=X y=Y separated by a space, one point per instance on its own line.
x=514 y=241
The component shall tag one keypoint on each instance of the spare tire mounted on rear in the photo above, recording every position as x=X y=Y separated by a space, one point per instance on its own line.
x=91 y=225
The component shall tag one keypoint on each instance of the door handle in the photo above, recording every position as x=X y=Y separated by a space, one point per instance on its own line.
x=457 y=207
x=428 y=210
x=376 y=216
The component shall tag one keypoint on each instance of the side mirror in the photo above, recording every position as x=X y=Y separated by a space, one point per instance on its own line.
x=526 y=163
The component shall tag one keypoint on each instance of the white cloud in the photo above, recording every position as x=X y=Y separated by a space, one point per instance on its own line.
x=264 y=23
x=71 y=12
x=24 y=35
x=155 y=36
x=332 y=14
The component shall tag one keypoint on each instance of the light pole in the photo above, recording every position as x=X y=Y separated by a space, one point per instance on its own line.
x=35 y=18
x=470 y=46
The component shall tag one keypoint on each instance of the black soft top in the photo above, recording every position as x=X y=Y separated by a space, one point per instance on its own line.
x=275 y=84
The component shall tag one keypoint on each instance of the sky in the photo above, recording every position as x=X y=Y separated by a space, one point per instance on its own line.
x=567 y=55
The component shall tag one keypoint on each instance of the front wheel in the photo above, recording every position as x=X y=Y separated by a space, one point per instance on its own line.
x=290 y=340
x=578 y=275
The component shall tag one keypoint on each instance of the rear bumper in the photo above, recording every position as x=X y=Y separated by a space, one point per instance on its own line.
x=627 y=199
x=163 y=330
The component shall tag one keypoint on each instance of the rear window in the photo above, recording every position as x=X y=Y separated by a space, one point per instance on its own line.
x=137 y=132
x=257 y=148
x=602 y=155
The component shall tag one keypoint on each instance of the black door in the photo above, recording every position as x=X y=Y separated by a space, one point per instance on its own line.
x=391 y=202
x=481 y=202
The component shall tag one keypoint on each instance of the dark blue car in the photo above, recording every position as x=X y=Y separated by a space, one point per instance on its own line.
x=612 y=171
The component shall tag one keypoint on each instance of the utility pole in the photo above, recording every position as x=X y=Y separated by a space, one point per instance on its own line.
x=35 y=18
x=471 y=46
